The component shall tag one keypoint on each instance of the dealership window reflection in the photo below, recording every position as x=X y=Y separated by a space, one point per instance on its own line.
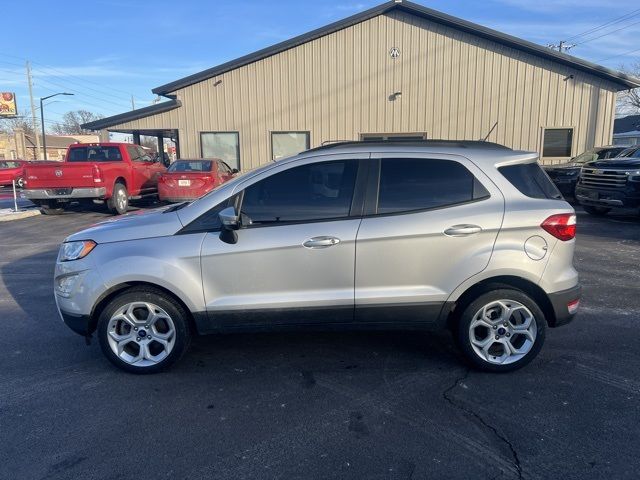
x=286 y=144
x=223 y=145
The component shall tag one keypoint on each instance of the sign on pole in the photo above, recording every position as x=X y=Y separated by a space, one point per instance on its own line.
x=8 y=104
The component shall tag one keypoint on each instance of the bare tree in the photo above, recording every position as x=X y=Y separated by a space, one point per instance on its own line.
x=71 y=123
x=629 y=101
x=23 y=121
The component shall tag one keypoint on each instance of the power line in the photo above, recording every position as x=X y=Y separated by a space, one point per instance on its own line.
x=614 y=21
x=608 y=33
x=619 y=55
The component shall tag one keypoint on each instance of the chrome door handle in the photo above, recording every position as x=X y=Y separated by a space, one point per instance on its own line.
x=462 y=230
x=321 y=242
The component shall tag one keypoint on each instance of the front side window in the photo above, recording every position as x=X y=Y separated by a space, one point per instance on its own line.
x=557 y=142
x=223 y=145
x=286 y=144
x=312 y=192
x=417 y=184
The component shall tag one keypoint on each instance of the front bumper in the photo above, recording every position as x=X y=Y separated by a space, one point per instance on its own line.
x=560 y=303
x=64 y=193
x=607 y=198
x=78 y=323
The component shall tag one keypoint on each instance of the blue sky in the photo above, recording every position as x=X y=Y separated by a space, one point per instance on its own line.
x=105 y=51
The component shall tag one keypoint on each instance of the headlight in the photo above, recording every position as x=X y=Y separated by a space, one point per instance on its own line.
x=75 y=250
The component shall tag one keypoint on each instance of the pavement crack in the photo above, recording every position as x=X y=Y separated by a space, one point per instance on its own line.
x=446 y=394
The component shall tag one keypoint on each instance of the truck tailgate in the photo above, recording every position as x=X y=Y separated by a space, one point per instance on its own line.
x=61 y=175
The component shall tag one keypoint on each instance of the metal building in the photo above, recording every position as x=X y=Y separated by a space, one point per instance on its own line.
x=396 y=70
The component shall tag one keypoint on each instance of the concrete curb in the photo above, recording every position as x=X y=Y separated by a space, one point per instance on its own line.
x=8 y=215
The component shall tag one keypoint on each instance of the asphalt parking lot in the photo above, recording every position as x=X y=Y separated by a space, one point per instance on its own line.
x=320 y=405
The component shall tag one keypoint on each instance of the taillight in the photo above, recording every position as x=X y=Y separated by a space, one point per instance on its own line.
x=561 y=226
x=97 y=174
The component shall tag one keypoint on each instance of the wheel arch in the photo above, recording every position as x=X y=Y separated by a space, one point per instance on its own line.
x=116 y=290
x=494 y=283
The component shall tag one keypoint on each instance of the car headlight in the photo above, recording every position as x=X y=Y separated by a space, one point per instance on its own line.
x=634 y=176
x=76 y=250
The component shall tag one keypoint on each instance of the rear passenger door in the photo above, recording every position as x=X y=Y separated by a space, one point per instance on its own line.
x=430 y=223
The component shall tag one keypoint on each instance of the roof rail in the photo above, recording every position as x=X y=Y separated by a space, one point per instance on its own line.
x=412 y=143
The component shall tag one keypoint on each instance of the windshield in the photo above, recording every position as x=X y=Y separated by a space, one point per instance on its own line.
x=94 y=154
x=9 y=164
x=585 y=157
x=191 y=166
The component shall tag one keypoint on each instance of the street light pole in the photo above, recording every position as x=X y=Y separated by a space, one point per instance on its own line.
x=44 y=136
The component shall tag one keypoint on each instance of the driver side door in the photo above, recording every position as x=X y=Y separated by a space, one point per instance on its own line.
x=294 y=264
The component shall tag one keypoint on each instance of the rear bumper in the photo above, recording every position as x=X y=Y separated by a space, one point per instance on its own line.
x=560 y=303
x=607 y=198
x=50 y=193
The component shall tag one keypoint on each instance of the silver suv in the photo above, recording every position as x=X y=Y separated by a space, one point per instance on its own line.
x=471 y=236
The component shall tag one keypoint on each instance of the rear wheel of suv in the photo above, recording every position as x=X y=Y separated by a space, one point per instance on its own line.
x=591 y=210
x=501 y=330
x=143 y=330
x=119 y=201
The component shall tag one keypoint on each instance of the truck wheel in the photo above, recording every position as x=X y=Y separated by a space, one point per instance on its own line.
x=119 y=201
x=50 y=207
x=501 y=330
x=20 y=182
x=598 y=211
x=143 y=330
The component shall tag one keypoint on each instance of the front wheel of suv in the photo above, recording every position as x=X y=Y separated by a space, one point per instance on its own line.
x=599 y=211
x=501 y=330
x=143 y=330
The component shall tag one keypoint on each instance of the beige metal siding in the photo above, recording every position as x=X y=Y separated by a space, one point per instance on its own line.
x=454 y=86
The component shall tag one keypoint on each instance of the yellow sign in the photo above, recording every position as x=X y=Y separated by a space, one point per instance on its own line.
x=8 y=104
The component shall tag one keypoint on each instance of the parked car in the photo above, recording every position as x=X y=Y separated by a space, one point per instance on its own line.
x=467 y=235
x=11 y=170
x=630 y=152
x=606 y=184
x=186 y=180
x=565 y=175
x=110 y=173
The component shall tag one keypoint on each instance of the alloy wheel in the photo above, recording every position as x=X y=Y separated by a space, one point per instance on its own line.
x=503 y=332
x=141 y=334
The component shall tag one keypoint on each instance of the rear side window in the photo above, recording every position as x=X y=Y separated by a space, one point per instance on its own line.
x=417 y=184
x=530 y=180
x=94 y=154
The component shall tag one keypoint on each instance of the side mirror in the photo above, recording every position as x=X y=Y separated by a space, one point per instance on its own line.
x=230 y=222
x=229 y=219
x=234 y=170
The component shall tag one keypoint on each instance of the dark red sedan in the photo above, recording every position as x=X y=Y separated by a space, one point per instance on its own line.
x=12 y=170
x=187 y=180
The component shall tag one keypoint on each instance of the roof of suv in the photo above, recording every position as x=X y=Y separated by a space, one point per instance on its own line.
x=485 y=152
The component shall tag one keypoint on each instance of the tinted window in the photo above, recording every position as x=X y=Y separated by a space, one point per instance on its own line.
x=531 y=180
x=630 y=152
x=306 y=193
x=210 y=221
x=191 y=166
x=609 y=153
x=418 y=184
x=557 y=142
x=9 y=164
x=94 y=154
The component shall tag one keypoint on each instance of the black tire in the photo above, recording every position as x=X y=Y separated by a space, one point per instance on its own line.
x=597 y=211
x=49 y=207
x=20 y=182
x=177 y=313
x=463 y=324
x=119 y=193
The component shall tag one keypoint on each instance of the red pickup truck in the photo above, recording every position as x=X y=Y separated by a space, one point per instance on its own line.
x=111 y=173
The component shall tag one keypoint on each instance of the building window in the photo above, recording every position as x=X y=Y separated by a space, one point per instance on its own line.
x=223 y=145
x=390 y=137
x=286 y=144
x=557 y=142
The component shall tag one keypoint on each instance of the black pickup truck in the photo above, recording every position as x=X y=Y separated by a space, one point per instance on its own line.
x=606 y=184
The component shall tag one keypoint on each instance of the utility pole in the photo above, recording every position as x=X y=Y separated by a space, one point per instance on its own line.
x=561 y=47
x=133 y=103
x=33 y=111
